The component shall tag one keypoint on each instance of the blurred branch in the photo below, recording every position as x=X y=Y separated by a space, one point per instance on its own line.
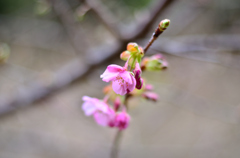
x=65 y=14
x=144 y=26
x=104 y=16
x=211 y=49
x=141 y=28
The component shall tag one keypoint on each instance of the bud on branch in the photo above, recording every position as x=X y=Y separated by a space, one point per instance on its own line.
x=159 y=30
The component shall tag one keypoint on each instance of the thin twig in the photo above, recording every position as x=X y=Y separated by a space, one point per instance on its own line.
x=159 y=30
x=145 y=25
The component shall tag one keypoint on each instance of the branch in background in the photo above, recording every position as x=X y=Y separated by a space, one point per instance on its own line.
x=65 y=14
x=141 y=28
x=202 y=48
x=144 y=26
x=104 y=16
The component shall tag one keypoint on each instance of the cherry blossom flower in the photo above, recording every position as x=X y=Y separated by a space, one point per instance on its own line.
x=105 y=118
x=122 y=80
x=101 y=112
x=91 y=105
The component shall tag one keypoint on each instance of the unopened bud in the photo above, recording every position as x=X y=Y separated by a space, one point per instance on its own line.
x=164 y=24
x=125 y=55
x=141 y=51
x=156 y=62
x=138 y=72
x=150 y=96
x=139 y=83
x=122 y=120
x=117 y=103
x=148 y=87
x=132 y=47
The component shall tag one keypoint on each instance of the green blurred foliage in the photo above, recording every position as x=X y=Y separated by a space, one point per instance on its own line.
x=11 y=6
x=136 y=4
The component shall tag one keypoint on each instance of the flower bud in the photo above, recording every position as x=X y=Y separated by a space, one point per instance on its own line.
x=148 y=87
x=117 y=103
x=125 y=55
x=138 y=72
x=139 y=83
x=122 y=120
x=150 y=96
x=132 y=47
x=141 y=51
x=164 y=24
x=156 y=62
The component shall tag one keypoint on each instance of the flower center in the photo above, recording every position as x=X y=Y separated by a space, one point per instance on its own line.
x=121 y=81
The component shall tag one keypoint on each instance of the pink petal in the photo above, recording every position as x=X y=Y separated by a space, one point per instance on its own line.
x=115 y=68
x=126 y=76
x=131 y=87
x=101 y=118
x=89 y=108
x=101 y=106
x=86 y=98
x=118 y=88
x=109 y=76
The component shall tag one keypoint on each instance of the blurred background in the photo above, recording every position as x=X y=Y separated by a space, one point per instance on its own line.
x=59 y=48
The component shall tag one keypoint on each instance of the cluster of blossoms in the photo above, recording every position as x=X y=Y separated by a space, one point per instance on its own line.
x=124 y=82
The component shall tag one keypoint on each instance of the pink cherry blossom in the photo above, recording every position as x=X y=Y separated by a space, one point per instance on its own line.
x=122 y=80
x=101 y=112
x=91 y=105
x=122 y=120
x=105 y=118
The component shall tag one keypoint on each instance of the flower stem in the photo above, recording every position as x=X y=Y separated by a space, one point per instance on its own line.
x=118 y=136
x=116 y=143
